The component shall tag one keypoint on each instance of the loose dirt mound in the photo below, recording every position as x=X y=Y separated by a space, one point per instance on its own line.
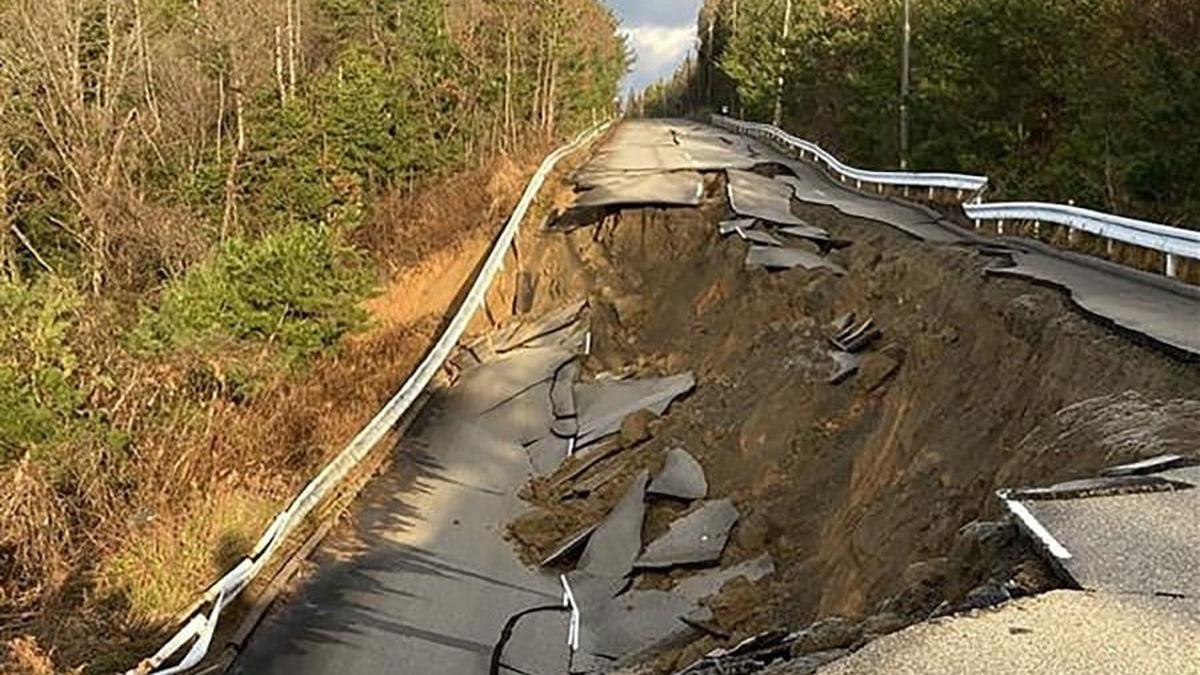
x=849 y=487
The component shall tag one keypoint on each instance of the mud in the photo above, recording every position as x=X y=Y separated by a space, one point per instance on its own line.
x=858 y=490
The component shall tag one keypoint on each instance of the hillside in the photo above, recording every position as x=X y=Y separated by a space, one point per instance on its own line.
x=198 y=200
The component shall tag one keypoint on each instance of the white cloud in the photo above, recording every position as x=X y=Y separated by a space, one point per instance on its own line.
x=659 y=50
x=656 y=12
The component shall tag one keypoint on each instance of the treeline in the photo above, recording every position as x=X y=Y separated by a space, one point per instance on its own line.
x=1093 y=101
x=182 y=186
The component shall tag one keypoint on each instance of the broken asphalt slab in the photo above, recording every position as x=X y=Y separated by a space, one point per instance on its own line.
x=845 y=366
x=761 y=198
x=1062 y=632
x=494 y=383
x=773 y=258
x=523 y=419
x=602 y=406
x=1146 y=466
x=426 y=580
x=637 y=622
x=524 y=332
x=728 y=227
x=682 y=477
x=811 y=186
x=614 y=546
x=1161 y=309
x=708 y=583
x=759 y=237
x=617 y=190
x=1145 y=543
x=697 y=537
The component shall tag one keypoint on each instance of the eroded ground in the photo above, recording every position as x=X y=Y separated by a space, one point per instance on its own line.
x=858 y=491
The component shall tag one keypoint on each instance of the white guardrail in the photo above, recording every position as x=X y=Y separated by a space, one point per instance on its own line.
x=199 y=629
x=1173 y=242
x=950 y=181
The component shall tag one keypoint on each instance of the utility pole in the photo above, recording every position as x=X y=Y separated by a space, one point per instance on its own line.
x=905 y=83
x=787 y=31
x=710 y=69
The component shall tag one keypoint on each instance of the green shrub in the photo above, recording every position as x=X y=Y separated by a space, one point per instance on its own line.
x=296 y=289
x=39 y=400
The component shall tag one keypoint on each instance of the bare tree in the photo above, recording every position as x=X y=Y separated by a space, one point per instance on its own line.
x=73 y=62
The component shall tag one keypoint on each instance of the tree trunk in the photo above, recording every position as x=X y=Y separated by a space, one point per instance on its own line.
x=508 y=83
x=220 y=115
x=279 y=66
x=292 y=38
x=229 y=221
x=147 y=66
x=8 y=264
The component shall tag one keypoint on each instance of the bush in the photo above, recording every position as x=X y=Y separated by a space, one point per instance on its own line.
x=296 y=289
x=39 y=399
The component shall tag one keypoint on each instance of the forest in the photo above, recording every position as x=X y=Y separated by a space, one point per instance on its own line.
x=196 y=198
x=1086 y=101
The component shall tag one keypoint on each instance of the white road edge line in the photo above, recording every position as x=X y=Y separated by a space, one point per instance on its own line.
x=1056 y=549
x=569 y=601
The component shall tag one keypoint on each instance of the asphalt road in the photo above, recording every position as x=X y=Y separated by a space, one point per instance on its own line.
x=1061 y=633
x=656 y=146
x=1163 y=310
x=423 y=581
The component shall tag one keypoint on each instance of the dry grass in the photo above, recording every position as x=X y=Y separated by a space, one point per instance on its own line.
x=35 y=537
x=94 y=577
x=24 y=655
x=156 y=575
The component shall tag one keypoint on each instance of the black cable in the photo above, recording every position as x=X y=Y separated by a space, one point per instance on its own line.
x=509 y=627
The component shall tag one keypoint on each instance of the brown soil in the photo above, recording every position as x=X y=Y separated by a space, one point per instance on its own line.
x=854 y=489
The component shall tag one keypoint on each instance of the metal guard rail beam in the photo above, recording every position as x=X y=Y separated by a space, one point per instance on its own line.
x=200 y=627
x=1154 y=236
x=951 y=181
x=1174 y=242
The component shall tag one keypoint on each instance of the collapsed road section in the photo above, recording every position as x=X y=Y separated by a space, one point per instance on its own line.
x=869 y=376
x=753 y=421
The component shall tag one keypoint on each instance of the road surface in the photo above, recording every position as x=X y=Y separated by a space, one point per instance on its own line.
x=425 y=580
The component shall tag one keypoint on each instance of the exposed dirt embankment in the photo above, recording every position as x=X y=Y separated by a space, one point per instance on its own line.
x=857 y=490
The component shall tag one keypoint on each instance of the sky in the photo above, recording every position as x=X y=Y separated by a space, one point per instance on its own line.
x=661 y=33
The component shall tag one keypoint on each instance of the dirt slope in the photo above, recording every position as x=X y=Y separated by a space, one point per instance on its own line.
x=846 y=486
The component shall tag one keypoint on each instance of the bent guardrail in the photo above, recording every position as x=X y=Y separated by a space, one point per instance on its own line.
x=951 y=181
x=199 y=629
x=1173 y=242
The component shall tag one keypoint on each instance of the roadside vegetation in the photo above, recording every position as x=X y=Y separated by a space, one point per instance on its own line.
x=196 y=197
x=1091 y=101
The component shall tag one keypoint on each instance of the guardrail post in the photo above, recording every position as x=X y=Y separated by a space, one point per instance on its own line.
x=1109 y=246
x=1172 y=266
x=1037 y=228
x=1000 y=227
x=930 y=193
x=1072 y=235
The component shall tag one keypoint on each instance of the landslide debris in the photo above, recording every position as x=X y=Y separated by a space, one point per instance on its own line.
x=873 y=490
